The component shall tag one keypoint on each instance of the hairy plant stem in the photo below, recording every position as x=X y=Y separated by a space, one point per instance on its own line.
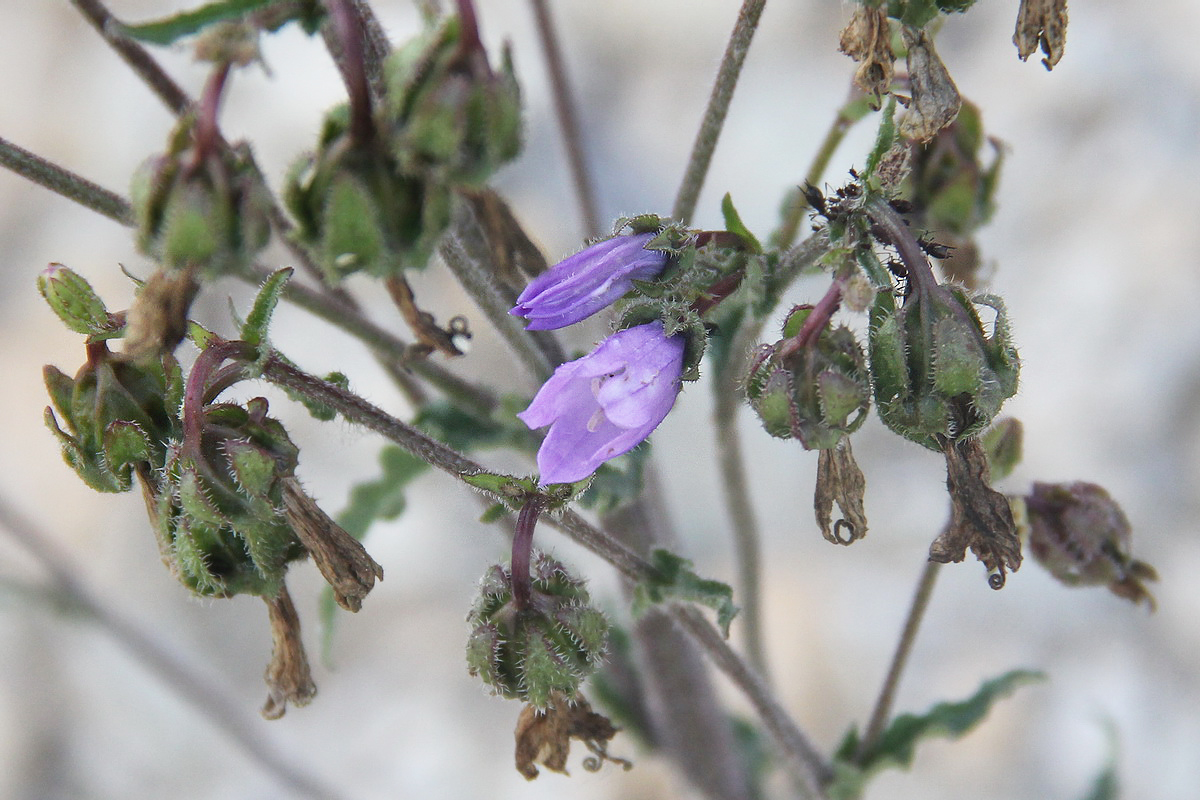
x=718 y=109
x=887 y=694
x=685 y=713
x=64 y=182
x=623 y=558
x=344 y=40
x=810 y=770
x=522 y=551
x=734 y=484
x=568 y=120
x=136 y=56
x=735 y=488
x=208 y=698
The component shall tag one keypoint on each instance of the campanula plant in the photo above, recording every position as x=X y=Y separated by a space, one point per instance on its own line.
x=399 y=182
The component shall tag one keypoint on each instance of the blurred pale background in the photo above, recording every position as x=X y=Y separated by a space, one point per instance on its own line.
x=1095 y=245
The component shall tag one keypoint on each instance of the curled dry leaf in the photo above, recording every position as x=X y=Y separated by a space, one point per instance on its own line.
x=288 y=677
x=544 y=736
x=343 y=561
x=840 y=480
x=867 y=38
x=980 y=517
x=935 y=99
x=1044 y=23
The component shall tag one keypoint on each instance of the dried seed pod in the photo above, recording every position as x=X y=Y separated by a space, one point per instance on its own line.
x=1080 y=534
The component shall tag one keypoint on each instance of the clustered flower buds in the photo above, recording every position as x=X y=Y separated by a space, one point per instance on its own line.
x=544 y=649
x=937 y=372
x=118 y=415
x=1080 y=534
x=376 y=195
x=446 y=112
x=357 y=210
x=818 y=391
x=218 y=503
x=200 y=208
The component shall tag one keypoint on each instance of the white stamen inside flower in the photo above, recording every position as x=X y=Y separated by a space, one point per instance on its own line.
x=597 y=419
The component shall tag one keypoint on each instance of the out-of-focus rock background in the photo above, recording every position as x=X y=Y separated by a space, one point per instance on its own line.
x=1095 y=246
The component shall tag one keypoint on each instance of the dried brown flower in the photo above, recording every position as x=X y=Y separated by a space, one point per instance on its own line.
x=840 y=480
x=935 y=99
x=1044 y=23
x=867 y=38
x=544 y=736
x=980 y=517
x=341 y=558
x=288 y=677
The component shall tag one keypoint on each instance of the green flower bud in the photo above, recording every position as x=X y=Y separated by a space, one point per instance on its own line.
x=212 y=213
x=1080 y=534
x=219 y=506
x=816 y=392
x=116 y=414
x=358 y=211
x=447 y=113
x=76 y=303
x=936 y=371
x=549 y=647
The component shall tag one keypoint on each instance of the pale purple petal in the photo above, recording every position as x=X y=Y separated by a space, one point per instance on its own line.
x=592 y=279
x=606 y=403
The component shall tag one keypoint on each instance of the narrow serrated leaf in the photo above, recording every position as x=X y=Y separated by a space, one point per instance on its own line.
x=170 y=29
x=254 y=329
x=897 y=746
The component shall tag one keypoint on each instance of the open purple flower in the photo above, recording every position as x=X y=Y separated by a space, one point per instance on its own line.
x=579 y=286
x=606 y=403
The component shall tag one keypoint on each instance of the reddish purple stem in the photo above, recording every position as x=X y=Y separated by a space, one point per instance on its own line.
x=206 y=135
x=522 y=551
x=816 y=321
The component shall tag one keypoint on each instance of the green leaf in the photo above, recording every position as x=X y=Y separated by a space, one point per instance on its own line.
x=201 y=336
x=897 y=746
x=254 y=329
x=734 y=224
x=884 y=140
x=506 y=487
x=170 y=29
x=676 y=581
x=383 y=497
x=459 y=429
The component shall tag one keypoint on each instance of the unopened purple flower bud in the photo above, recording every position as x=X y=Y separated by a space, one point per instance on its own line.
x=592 y=279
x=606 y=403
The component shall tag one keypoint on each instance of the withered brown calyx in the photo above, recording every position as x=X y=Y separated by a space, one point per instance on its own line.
x=544 y=736
x=980 y=517
x=1044 y=23
x=867 y=38
x=840 y=480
